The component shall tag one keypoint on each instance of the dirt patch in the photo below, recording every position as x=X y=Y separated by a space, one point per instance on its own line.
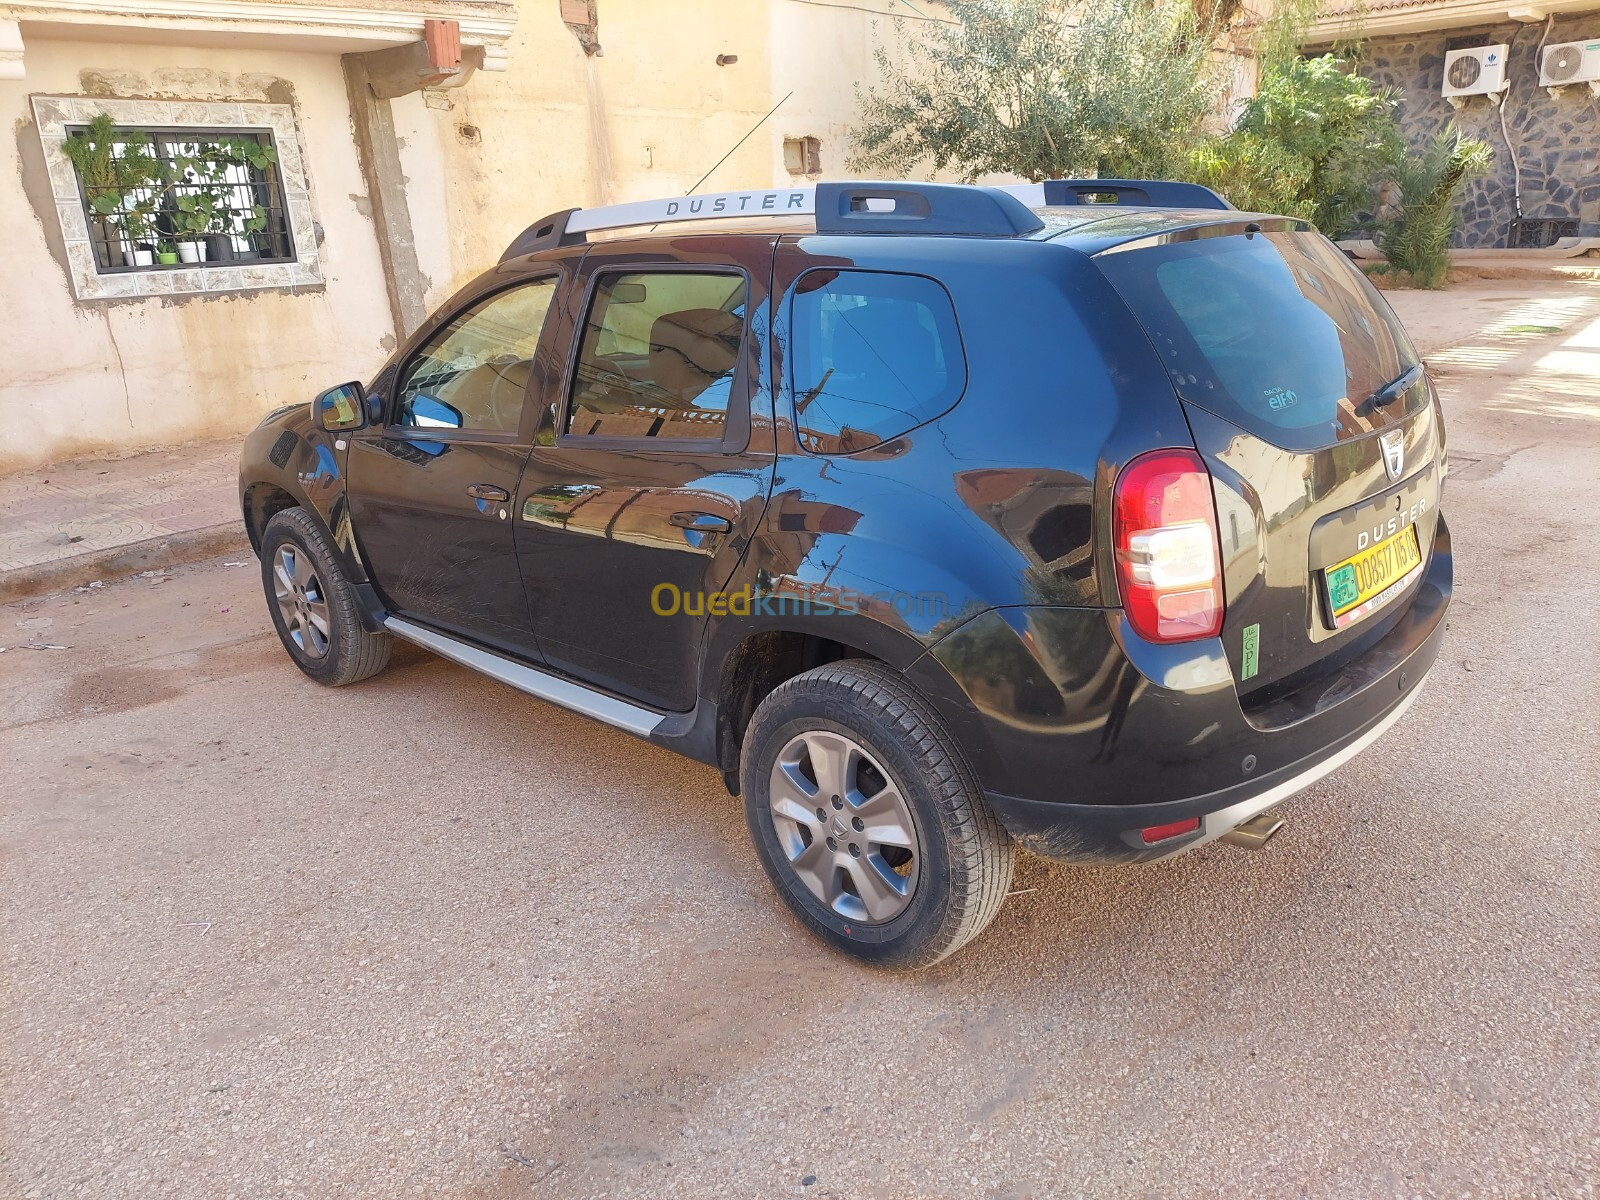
x=121 y=689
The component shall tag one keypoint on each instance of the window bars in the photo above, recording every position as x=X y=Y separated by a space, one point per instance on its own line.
x=179 y=198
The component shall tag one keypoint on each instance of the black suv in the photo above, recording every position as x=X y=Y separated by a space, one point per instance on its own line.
x=935 y=517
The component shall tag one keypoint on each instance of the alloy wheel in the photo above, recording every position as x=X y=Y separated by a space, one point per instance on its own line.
x=301 y=601
x=845 y=827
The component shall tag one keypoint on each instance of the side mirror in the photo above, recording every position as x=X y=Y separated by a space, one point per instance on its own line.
x=341 y=409
x=429 y=412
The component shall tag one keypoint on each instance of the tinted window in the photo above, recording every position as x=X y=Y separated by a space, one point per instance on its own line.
x=473 y=373
x=872 y=355
x=1276 y=332
x=659 y=356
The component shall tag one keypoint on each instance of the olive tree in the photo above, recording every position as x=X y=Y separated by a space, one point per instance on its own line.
x=1045 y=89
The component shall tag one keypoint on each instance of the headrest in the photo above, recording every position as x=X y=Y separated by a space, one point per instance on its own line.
x=690 y=349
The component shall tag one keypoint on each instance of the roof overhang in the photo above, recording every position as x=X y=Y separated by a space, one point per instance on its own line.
x=1344 y=21
x=307 y=25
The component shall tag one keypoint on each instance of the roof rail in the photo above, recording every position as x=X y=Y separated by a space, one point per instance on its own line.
x=1152 y=193
x=934 y=208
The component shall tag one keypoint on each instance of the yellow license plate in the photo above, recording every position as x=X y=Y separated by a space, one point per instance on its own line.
x=1367 y=580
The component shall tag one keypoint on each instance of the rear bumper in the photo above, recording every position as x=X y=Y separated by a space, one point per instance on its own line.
x=1107 y=833
x=1129 y=735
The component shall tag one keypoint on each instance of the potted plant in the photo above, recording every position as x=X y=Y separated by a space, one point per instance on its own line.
x=192 y=217
x=134 y=230
x=219 y=233
x=230 y=160
x=116 y=169
x=167 y=254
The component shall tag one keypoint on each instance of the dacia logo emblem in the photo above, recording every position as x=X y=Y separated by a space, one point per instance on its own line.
x=1394 y=452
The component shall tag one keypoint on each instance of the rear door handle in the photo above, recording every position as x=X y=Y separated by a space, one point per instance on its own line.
x=488 y=491
x=701 y=522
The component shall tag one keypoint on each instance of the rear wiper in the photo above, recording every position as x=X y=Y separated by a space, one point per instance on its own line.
x=1391 y=391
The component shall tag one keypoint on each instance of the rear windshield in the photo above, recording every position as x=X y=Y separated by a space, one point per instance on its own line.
x=1275 y=332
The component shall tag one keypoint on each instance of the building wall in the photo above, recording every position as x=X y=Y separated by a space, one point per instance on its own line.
x=1556 y=138
x=821 y=54
x=96 y=376
x=648 y=116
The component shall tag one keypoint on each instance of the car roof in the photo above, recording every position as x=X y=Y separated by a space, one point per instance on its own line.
x=1097 y=228
x=1089 y=229
x=1057 y=211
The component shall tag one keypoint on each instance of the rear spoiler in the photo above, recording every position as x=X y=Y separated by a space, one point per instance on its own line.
x=1146 y=193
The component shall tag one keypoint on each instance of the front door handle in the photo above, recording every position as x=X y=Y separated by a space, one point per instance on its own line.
x=488 y=491
x=701 y=522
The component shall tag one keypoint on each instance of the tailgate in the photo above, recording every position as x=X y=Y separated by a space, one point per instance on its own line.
x=1322 y=440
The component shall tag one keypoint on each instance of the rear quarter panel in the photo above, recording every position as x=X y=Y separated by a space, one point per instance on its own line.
x=1002 y=499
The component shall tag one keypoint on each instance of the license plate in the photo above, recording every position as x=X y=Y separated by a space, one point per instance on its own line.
x=1369 y=580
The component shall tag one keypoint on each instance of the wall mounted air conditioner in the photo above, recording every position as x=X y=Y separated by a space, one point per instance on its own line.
x=1567 y=63
x=1479 y=71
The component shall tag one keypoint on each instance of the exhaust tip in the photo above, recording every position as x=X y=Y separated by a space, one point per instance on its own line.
x=1254 y=833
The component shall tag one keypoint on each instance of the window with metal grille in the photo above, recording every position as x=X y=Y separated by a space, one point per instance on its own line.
x=181 y=198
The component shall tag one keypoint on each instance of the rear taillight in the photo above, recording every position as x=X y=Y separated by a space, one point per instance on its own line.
x=1169 y=565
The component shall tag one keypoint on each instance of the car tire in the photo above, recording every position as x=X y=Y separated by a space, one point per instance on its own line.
x=865 y=892
x=314 y=608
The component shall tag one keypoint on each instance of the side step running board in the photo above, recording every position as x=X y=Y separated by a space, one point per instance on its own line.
x=575 y=696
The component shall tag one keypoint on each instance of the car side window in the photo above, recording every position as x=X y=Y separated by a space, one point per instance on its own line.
x=873 y=355
x=472 y=374
x=659 y=355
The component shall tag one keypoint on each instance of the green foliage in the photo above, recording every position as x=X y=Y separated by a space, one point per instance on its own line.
x=141 y=197
x=1277 y=39
x=136 y=222
x=1044 y=89
x=1330 y=131
x=194 y=214
x=1255 y=174
x=1416 y=240
x=112 y=163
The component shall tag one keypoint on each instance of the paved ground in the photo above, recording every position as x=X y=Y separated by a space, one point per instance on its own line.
x=429 y=937
x=96 y=504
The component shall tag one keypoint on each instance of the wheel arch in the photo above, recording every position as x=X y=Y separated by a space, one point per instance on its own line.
x=743 y=666
x=261 y=501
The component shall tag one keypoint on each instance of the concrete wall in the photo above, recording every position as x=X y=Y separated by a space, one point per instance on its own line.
x=647 y=117
x=822 y=53
x=1556 y=138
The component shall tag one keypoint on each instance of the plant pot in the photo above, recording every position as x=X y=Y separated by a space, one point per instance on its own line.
x=167 y=258
x=219 y=248
x=192 y=252
x=138 y=258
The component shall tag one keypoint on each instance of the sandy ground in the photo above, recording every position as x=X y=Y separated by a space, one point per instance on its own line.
x=429 y=937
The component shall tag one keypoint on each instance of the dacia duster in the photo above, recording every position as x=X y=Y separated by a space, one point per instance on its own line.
x=940 y=519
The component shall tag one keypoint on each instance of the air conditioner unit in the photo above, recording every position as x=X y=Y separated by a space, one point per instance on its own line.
x=1567 y=63
x=1480 y=71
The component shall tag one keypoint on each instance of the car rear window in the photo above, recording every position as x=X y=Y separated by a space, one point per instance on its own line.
x=1277 y=332
x=874 y=354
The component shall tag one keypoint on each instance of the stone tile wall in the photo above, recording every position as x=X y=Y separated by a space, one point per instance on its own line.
x=1556 y=138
